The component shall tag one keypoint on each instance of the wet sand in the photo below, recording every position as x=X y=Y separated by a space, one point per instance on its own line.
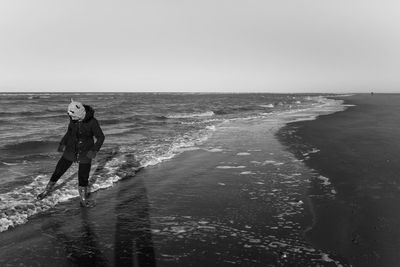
x=359 y=154
x=240 y=200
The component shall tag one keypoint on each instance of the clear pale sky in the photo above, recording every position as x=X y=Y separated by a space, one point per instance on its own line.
x=203 y=46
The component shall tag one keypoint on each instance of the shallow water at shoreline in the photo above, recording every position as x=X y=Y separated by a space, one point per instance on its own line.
x=358 y=159
x=144 y=130
x=189 y=210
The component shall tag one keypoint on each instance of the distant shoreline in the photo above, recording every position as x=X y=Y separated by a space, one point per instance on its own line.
x=177 y=92
x=359 y=154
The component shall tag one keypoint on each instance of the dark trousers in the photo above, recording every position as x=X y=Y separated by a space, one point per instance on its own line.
x=64 y=164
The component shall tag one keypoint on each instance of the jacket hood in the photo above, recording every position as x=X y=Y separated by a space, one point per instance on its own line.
x=89 y=113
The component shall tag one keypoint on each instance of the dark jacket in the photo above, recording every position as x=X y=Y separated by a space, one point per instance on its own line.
x=79 y=138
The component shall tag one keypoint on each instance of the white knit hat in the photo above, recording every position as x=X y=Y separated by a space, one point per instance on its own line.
x=76 y=110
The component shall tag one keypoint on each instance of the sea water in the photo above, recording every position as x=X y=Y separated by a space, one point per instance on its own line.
x=141 y=129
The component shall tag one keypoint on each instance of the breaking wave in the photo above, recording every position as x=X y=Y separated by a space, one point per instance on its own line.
x=191 y=115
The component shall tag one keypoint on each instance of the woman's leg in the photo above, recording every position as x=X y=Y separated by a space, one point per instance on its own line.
x=83 y=176
x=62 y=166
x=83 y=173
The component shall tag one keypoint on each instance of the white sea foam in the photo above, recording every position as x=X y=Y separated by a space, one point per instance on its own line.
x=243 y=154
x=231 y=167
x=191 y=115
x=273 y=162
x=179 y=145
x=10 y=164
x=267 y=106
x=344 y=95
x=18 y=205
x=325 y=180
x=247 y=173
x=320 y=106
x=314 y=150
x=214 y=150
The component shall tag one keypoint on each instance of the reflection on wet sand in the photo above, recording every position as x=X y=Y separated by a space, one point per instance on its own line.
x=91 y=241
x=85 y=250
x=81 y=246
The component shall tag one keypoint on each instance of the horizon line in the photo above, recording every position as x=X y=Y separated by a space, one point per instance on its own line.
x=187 y=92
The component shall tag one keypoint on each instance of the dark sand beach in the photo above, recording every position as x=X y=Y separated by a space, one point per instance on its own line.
x=325 y=195
x=359 y=153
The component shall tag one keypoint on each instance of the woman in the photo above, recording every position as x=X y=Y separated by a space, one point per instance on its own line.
x=78 y=146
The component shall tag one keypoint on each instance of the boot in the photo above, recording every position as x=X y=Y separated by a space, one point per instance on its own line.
x=83 y=194
x=47 y=190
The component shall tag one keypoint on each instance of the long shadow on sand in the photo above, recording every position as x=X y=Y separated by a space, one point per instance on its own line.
x=133 y=238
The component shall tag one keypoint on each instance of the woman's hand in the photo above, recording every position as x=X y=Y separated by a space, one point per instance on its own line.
x=91 y=154
x=61 y=148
